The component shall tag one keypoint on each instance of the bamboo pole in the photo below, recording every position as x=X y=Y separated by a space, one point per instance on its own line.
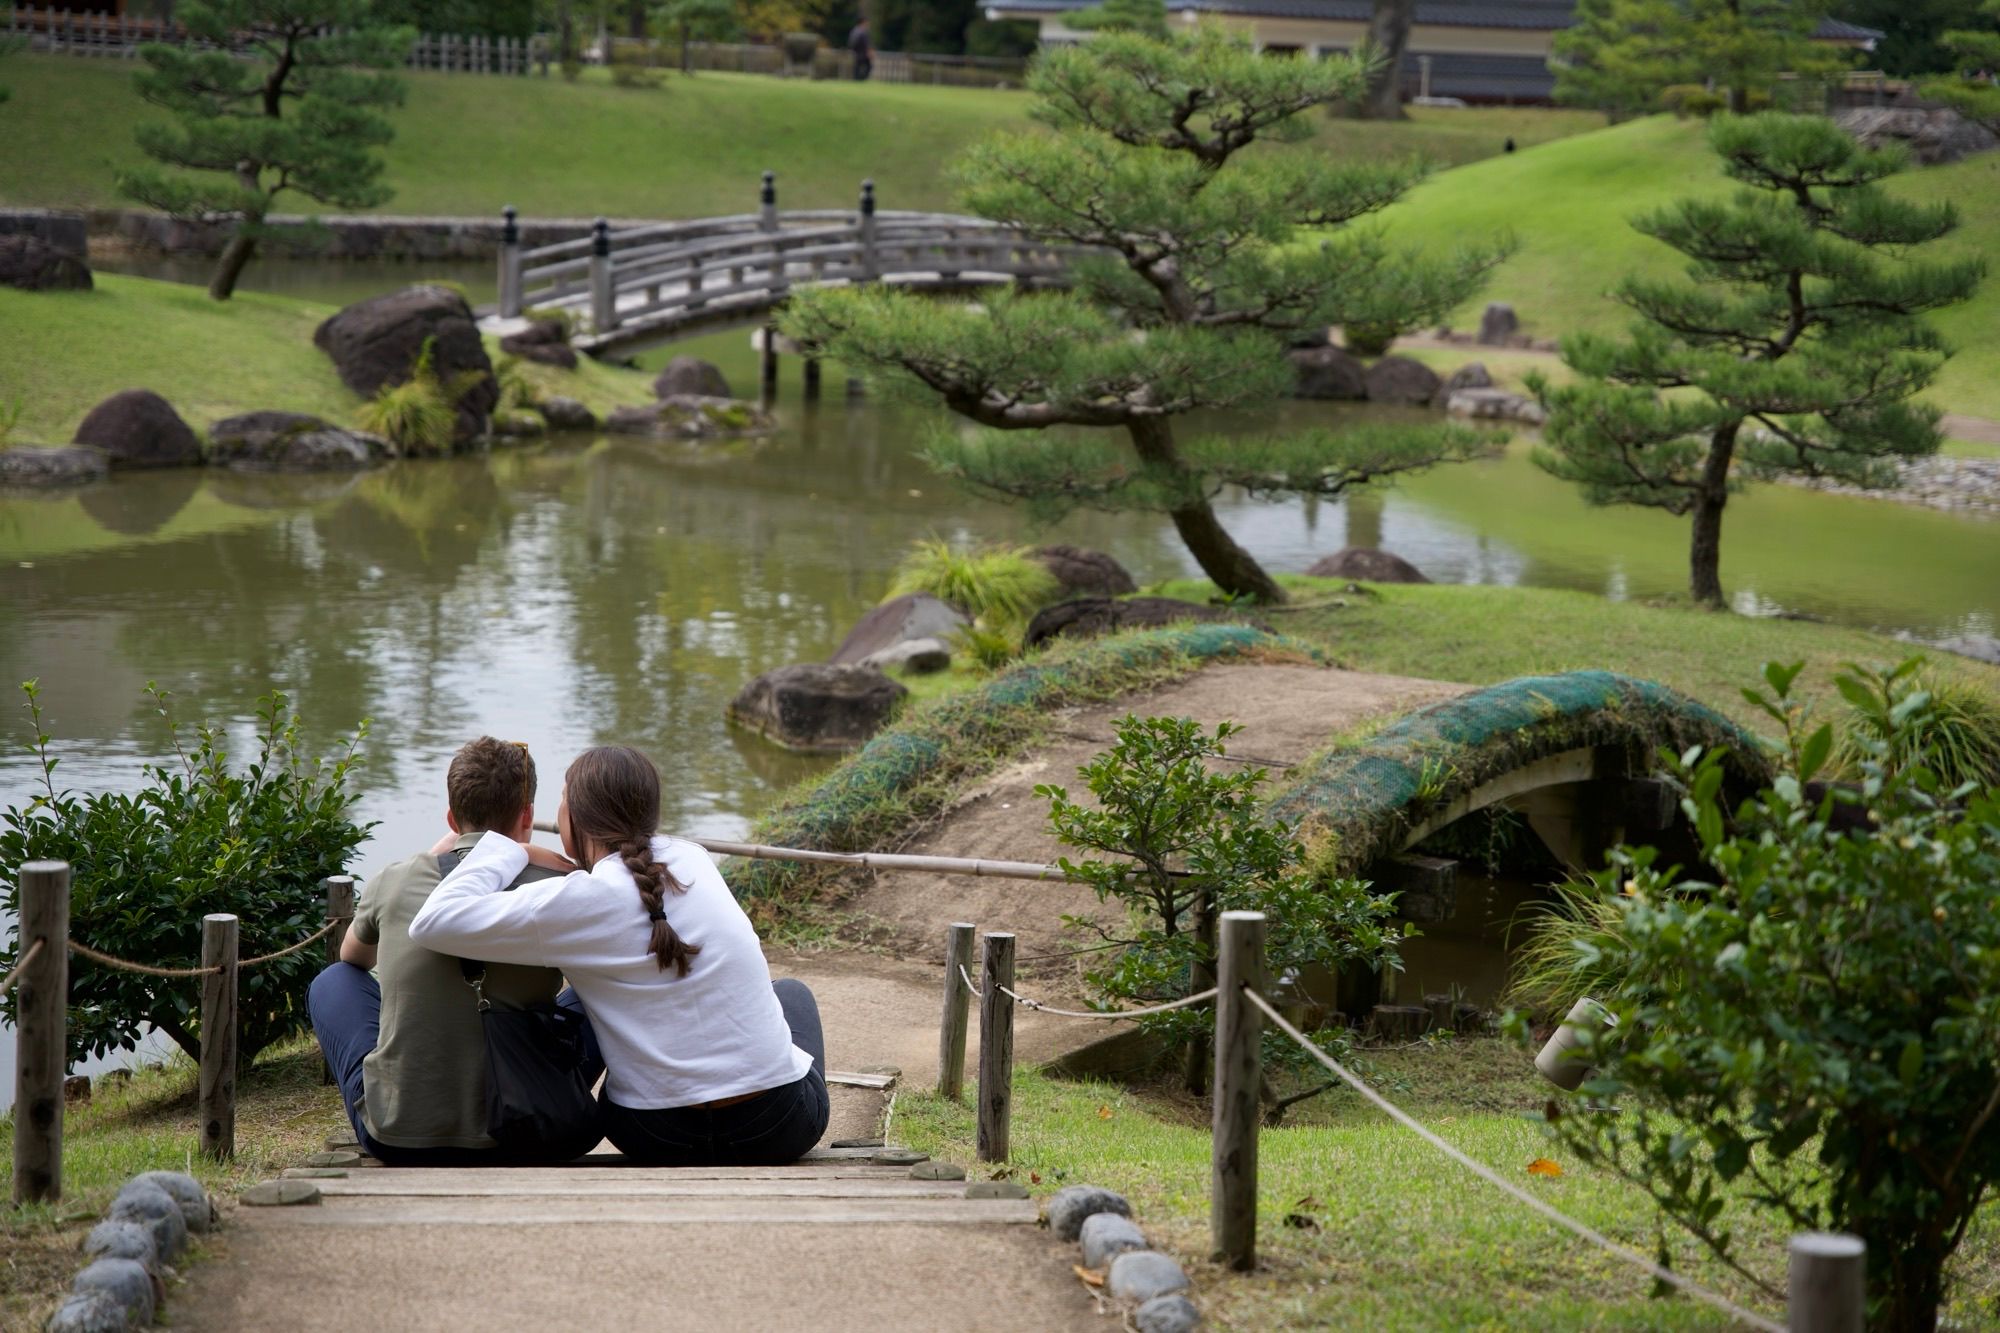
x=41 y=999
x=996 y=1047
x=218 y=1036
x=1238 y=1071
x=957 y=1003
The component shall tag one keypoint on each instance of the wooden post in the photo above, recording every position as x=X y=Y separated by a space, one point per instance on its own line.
x=870 y=265
x=339 y=909
x=41 y=999
x=767 y=203
x=1238 y=1072
x=1827 y=1293
x=812 y=379
x=957 y=1003
x=218 y=1037
x=768 y=365
x=996 y=1047
x=603 y=299
x=510 y=263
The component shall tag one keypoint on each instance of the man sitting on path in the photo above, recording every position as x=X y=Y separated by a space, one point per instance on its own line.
x=409 y=1054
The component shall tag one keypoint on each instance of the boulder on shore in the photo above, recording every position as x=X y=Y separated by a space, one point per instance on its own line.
x=817 y=707
x=1471 y=375
x=690 y=375
x=1367 y=564
x=690 y=417
x=1088 y=616
x=914 y=615
x=567 y=414
x=292 y=442
x=1084 y=573
x=916 y=657
x=1499 y=326
x=36 y=465
x=545 y=341
x=1398 y=379
x=1495 y=405
x=33 y=265
x=1329 y=373
x=138 y=428
x=375 y=343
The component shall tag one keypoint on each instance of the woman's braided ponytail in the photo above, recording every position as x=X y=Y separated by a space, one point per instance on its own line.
x=613 y=793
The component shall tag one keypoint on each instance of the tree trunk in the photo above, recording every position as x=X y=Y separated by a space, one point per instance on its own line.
x=1705 y=542
x=229 y=268
x=684 y=47
x=566 y=34
x=1388 y=39
x=1234 y=570
x=635 y=18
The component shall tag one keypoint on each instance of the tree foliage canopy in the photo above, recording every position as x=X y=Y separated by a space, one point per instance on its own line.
x=1620 y=54
x=1794 y=345
x=1975 y=56
x=1190 y=273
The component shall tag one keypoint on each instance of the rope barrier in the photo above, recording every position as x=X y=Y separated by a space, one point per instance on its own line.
x=21 y=965
x=1492 y=1177
x=180 y=973
x=1026 y=1003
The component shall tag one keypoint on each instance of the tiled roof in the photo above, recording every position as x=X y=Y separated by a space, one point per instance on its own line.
x=1541 y=15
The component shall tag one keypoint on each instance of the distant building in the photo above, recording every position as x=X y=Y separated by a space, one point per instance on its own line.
x=1474 y=50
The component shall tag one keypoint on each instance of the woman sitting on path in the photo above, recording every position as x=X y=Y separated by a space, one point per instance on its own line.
x=707 y=1062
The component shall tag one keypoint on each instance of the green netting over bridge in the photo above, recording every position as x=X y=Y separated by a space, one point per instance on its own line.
x=1385 y=793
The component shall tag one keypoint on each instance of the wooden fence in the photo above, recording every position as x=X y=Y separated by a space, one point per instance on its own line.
x=652 y=280
x=64 y=32
x=827 y=62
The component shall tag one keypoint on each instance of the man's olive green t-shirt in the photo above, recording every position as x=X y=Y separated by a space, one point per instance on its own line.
x=425 y=1084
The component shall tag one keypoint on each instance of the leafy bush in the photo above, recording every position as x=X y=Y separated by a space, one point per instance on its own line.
x=1691 y=101
x=196 y=839
x=1370 y=339
x=1956 y=733
x=1810 y=1015
x=1190 y=844
x=999 y=586
x=630 y=71
x=421 y=413
x=990 y=648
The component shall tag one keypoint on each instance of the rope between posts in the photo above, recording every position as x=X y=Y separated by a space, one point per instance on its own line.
x=1039 y=1007
x=1492 y=1177
x=21 y=965
x=147 y=969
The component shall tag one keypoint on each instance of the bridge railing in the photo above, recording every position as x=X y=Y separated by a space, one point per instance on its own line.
x=659 y=274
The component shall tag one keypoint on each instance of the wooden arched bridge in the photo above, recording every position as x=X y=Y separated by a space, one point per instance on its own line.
x=661 y=279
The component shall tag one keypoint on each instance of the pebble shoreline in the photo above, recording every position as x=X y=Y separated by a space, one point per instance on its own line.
x=1959 y=485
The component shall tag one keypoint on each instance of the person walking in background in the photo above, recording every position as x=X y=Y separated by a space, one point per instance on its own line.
x=862 y=48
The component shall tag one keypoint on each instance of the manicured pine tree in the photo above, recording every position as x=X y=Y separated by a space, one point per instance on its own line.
x=1974 y=93
x=301 y=113
x=1142 y=16
x=1794 y=347
x=1203 y=271
x=1620 y=54
x=695 y=20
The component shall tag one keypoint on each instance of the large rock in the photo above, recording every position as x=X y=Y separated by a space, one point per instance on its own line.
x=138 y=428
x=691 y=417
x=914 y=615
x=377 y=342
x=1105 y=615
x=1498 y=325
x=567 y=414
x=1328 y=372
x=1085 y=573
x=915 y=657
x=33 y=265
x=292 y=442
x=1138 y=1276
x=1073 y=1205
x=545 y=341
x=1398 y=379
x=1932 y=134
x=35 y=465
x=1471 y=375
x=126 y=1281
x=817 y=707
x=690 y=375
x=197 y=1208
x=1495 y=405
x=143 y=1202
x=1367 y=564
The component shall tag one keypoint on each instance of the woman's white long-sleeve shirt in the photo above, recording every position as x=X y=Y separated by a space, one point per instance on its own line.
x=668 y=1040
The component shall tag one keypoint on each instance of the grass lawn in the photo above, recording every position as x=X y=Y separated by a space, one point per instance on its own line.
x=689 y=148
x=1390 y=1235
x=1568 y=204
x=152 y=1123
x=61 y=353
x=1481 y=635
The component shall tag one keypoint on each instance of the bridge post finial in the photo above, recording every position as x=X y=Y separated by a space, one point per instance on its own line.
x=510 y=263
x=603 y=296
x=600 y=237
x=871 y=266
x=767 y=203
x=868 y=198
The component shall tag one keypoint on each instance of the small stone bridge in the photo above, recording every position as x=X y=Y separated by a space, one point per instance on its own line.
x=665 y=279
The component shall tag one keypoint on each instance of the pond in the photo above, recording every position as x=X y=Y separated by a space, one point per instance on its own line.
x=588 y=590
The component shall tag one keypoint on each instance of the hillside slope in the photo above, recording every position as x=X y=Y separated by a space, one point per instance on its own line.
x=1569 y=204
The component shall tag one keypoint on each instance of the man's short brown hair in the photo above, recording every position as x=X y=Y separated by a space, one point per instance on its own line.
x=490 y=783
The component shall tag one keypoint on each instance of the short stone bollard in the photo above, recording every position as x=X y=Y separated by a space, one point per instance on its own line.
x=125 y=1281
x=122 y=1240
x=153 y=1208
x=1070 y=1206
x=1105 y=1236
x=197 y=1209
x=1173 y=1313
x=89 y=1312
x=1139 y=1276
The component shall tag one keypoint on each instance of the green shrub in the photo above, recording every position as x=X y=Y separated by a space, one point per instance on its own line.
x=195 y=839
x=517 y=391
x=420 y=414
x=1956 y=732
x=1810 y=1014
x=1369 y=339
x=1692 y=101
x=990 y=648
x=1562 y=955
x=999 y=586
x=1187 y=844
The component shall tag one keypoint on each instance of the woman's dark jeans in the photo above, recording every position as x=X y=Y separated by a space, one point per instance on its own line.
x=770 y=1129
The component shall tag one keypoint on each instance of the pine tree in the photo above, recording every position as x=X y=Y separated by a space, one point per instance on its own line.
x=1620 y=54
x=1794 y=346
x=1975 y=92
x=1199 y=280
x=1148 y=17
x=300 y=114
